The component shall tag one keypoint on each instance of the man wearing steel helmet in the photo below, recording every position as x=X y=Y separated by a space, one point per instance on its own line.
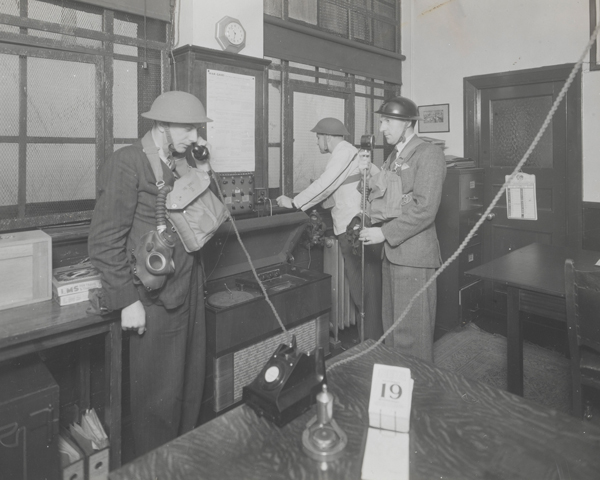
x=411 y=252
x=337 y=188
x=167 y=344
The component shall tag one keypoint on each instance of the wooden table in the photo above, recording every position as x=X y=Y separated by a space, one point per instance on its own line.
x=35 y=327
x=535 y=280
x=460 y=429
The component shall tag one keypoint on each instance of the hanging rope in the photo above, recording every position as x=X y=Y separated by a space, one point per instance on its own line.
x=468 y=238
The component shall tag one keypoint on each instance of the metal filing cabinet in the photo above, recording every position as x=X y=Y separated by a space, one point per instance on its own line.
x=459 y=296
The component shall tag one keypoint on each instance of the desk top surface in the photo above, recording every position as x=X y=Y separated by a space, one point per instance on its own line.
x=30 y=323
x=537 y=267
x=460 y=429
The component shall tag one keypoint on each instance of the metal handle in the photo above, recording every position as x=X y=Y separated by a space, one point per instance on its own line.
x=490 y=217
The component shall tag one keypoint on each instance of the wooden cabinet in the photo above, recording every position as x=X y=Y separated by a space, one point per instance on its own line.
x=459 y=296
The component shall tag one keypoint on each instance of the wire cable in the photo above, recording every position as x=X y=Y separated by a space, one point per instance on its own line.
x=489 y=209
x=260 y=284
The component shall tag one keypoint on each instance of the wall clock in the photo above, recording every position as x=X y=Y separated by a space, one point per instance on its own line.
x=230 y=34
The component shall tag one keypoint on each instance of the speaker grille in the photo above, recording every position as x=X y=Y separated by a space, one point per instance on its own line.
x=248 y=363
x=236 y=370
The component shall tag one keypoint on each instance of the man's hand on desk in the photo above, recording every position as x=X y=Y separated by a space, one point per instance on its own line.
x=284 y=201
x=133 y=317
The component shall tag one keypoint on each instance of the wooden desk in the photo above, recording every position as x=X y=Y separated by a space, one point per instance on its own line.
x=535 y=280
x=460 y=429
x=31 y=328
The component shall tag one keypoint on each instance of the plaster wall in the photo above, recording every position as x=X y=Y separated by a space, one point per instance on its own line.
x=196 y=20
x=448 y=40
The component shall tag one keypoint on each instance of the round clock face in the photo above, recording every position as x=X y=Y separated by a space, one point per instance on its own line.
x=271 y=374
x=235 y=33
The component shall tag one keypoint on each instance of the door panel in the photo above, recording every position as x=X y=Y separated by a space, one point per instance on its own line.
x=505 y=113
x=511 y=118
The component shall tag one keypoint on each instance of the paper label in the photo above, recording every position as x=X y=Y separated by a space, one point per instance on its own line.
x=521 y=197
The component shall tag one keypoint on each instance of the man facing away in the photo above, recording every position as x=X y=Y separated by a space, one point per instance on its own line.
x=338 y=186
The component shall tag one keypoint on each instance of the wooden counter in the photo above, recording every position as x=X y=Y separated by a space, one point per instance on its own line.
x=460 y=429
x=35 y=327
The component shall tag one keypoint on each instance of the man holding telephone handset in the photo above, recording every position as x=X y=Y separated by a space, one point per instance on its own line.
x=167 y=342
x=337 y=188
x=403 y=203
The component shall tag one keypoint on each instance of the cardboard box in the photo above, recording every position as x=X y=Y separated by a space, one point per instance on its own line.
x=75 y=279
x=96 y=462
x=26 y=268
x=71 y=469
x=71 y=299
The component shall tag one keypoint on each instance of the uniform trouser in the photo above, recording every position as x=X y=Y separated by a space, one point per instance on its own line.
x=352 y=266
x=167 y=366
x=414 y=334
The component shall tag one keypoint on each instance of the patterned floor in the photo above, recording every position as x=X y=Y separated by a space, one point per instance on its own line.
x=481 y=356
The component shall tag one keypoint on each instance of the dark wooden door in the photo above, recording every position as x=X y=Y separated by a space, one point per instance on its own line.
x=509 y=110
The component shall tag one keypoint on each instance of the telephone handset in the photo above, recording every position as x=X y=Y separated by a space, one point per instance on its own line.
x=196 y=152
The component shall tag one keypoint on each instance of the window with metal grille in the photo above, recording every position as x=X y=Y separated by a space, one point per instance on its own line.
x=372 y=22
x=73 y=80
x=299 y=96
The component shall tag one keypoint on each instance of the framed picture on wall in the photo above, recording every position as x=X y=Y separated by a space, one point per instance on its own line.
x=594 y=19
x=434 y=118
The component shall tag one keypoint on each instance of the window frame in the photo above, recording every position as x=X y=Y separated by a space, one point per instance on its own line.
x=15 y=217
x=284 y=78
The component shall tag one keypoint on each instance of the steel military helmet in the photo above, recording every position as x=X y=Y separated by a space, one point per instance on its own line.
x=177 y=107
x=330 y=126
x=401 y=108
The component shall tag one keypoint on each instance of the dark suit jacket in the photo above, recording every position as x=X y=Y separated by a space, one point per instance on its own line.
x=125 y=210
x=411 y=239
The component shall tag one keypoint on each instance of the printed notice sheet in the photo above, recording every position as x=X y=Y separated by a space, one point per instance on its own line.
x=230 y=103
x=521 y=197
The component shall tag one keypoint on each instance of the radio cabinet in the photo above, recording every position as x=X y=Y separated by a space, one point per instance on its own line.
x=241 y=329
x=458 y=296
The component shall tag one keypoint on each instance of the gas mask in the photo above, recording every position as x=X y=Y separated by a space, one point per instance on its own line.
x=152 y=258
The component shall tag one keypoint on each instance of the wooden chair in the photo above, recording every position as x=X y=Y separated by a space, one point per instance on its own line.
x=582 y=289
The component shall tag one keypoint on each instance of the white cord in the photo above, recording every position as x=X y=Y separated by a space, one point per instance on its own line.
x=467 y=239
x=262 y=287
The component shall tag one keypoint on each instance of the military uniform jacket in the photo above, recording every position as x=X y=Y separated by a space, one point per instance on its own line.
x=411 y=239
x=125 y=211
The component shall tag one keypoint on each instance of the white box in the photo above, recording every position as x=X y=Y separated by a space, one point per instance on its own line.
x=391 y=398
x=26 y=266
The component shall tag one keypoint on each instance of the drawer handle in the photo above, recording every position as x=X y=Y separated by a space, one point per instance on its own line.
x=472 y=198
x=490 y=217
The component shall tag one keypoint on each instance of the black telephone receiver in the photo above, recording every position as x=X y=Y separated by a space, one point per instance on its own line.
x=195 y=152
x=367 y=142
x=199 y=152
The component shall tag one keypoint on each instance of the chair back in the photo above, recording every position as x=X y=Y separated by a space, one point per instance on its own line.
x=582 y=290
